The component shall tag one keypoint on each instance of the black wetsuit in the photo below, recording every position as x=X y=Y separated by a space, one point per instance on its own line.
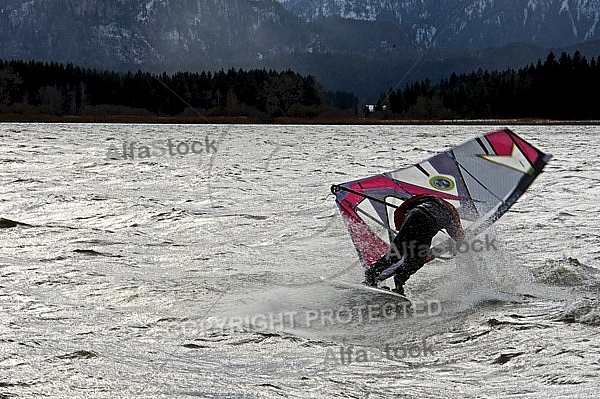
x=413 y=241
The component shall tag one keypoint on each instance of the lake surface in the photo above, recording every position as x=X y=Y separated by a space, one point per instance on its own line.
x=206 y=273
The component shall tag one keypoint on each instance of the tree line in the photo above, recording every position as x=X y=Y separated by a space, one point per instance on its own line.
x=58 y=89
x=556 y=88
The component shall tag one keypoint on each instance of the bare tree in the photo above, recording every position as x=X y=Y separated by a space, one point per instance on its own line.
x=52 y=100
x=284 y=92
x=8 y=80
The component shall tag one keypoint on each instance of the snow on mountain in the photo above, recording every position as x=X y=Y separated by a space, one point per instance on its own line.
x=347 y=44
x=476 y=23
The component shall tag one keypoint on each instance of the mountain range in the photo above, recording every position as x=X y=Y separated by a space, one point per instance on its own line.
x=474 y=23
x=363 y=46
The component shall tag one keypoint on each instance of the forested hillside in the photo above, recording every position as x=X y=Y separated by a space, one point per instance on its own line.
x=57 y=89
x=562 y=88
x=557 y=88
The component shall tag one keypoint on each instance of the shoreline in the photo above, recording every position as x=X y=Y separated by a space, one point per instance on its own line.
x=240 y=120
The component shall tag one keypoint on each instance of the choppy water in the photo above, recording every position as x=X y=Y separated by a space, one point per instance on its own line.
x=198 y=275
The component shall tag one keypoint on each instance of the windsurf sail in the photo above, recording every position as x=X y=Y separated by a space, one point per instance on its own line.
x=482 y=178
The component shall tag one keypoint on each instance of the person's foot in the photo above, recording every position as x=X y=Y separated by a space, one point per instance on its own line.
x=370 y=279
x=370 y=282
x=399 y=290
x=399 y=283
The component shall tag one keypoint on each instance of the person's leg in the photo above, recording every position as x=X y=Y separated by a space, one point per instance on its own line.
x=409 y=267
x=412 y=242
x=416 y=254
x=394 y=255
x=376 y=268
x=399 y=285
x=412 y=263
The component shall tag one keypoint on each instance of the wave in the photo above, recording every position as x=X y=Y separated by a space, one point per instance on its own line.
x=569 y=272
x=584 y=311
x=8 y=223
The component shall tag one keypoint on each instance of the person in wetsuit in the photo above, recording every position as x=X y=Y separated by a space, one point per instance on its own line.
x=417 y=220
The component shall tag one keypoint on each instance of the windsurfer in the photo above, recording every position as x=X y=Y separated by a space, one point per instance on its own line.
x=417 y=220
